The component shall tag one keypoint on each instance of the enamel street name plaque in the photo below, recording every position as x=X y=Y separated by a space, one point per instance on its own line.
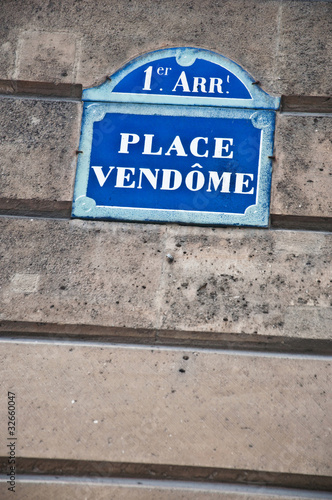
x=178 y=135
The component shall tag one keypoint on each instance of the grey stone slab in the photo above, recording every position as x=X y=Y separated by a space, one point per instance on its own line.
x=94 y=489
x=39 y=139
x=303 y=57
x=8 y=44
x=86 y=41
x=302 y=172
x=81 y=272
x=82 y=401
x=105 y=35
x=228 y=28
x=286 y=45
x=43 y=56
x=117 y=275
x=248 y=281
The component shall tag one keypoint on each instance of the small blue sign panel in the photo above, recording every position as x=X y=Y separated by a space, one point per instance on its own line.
x=179 y=81
x=161 y=141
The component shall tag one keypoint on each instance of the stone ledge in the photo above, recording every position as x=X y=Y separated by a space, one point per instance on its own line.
x=92 y=469
x=95 y=489
x=171 y=338
x=44 y=89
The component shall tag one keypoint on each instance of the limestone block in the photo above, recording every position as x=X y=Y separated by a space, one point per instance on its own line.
x=105 y=35
x=117 y=275
x=83 y=272
x=94 y=489
x=302 y=172
x=7 y=54
x=285 y=45
x=46 y=56
x=38 y=150
x=304 y=48
x=215 y=26
x=90 y=401
x=250 y=281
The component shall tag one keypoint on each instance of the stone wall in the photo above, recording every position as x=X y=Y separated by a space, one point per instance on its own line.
x=137 y=376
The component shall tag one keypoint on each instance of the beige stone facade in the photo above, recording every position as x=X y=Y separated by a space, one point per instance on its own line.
x=137 y=376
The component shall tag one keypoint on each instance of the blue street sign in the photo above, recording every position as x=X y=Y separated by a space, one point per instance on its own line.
x=194 y=159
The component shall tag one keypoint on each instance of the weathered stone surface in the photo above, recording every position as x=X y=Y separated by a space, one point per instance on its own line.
x=117 y=275
x=89 y=489
x=302 y=172
x=43 y=55
x=81 y=272
x=105 y=45
x=169 y=406
x=8 y=45
x=285 y=45
x=39 y=139
x=248 y=281
x=304 y=48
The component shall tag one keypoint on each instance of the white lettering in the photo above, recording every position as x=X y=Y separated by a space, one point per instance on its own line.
x=163 y=71
x=148 y=146
x=199 y=82
x=216 y=180
x=194 y=146
x=215 y=82
x=122 y=177
x=182 y=82
x=147 y=81
x=200 y=179
x=125 y=141
x=167 y=177
x=176 y=146
x=240 y=182
x=220 y=147
x=100 y=174
x=195 y=180
x=149 y=176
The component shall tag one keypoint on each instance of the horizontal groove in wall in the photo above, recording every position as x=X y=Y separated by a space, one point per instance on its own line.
x=290 y=103
x=306 y=104
x=301 y=222
x=169 y=338
x=35 y=208
x=134 y=486
x=101 y=469
x=40 y=89
x=45 y=209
